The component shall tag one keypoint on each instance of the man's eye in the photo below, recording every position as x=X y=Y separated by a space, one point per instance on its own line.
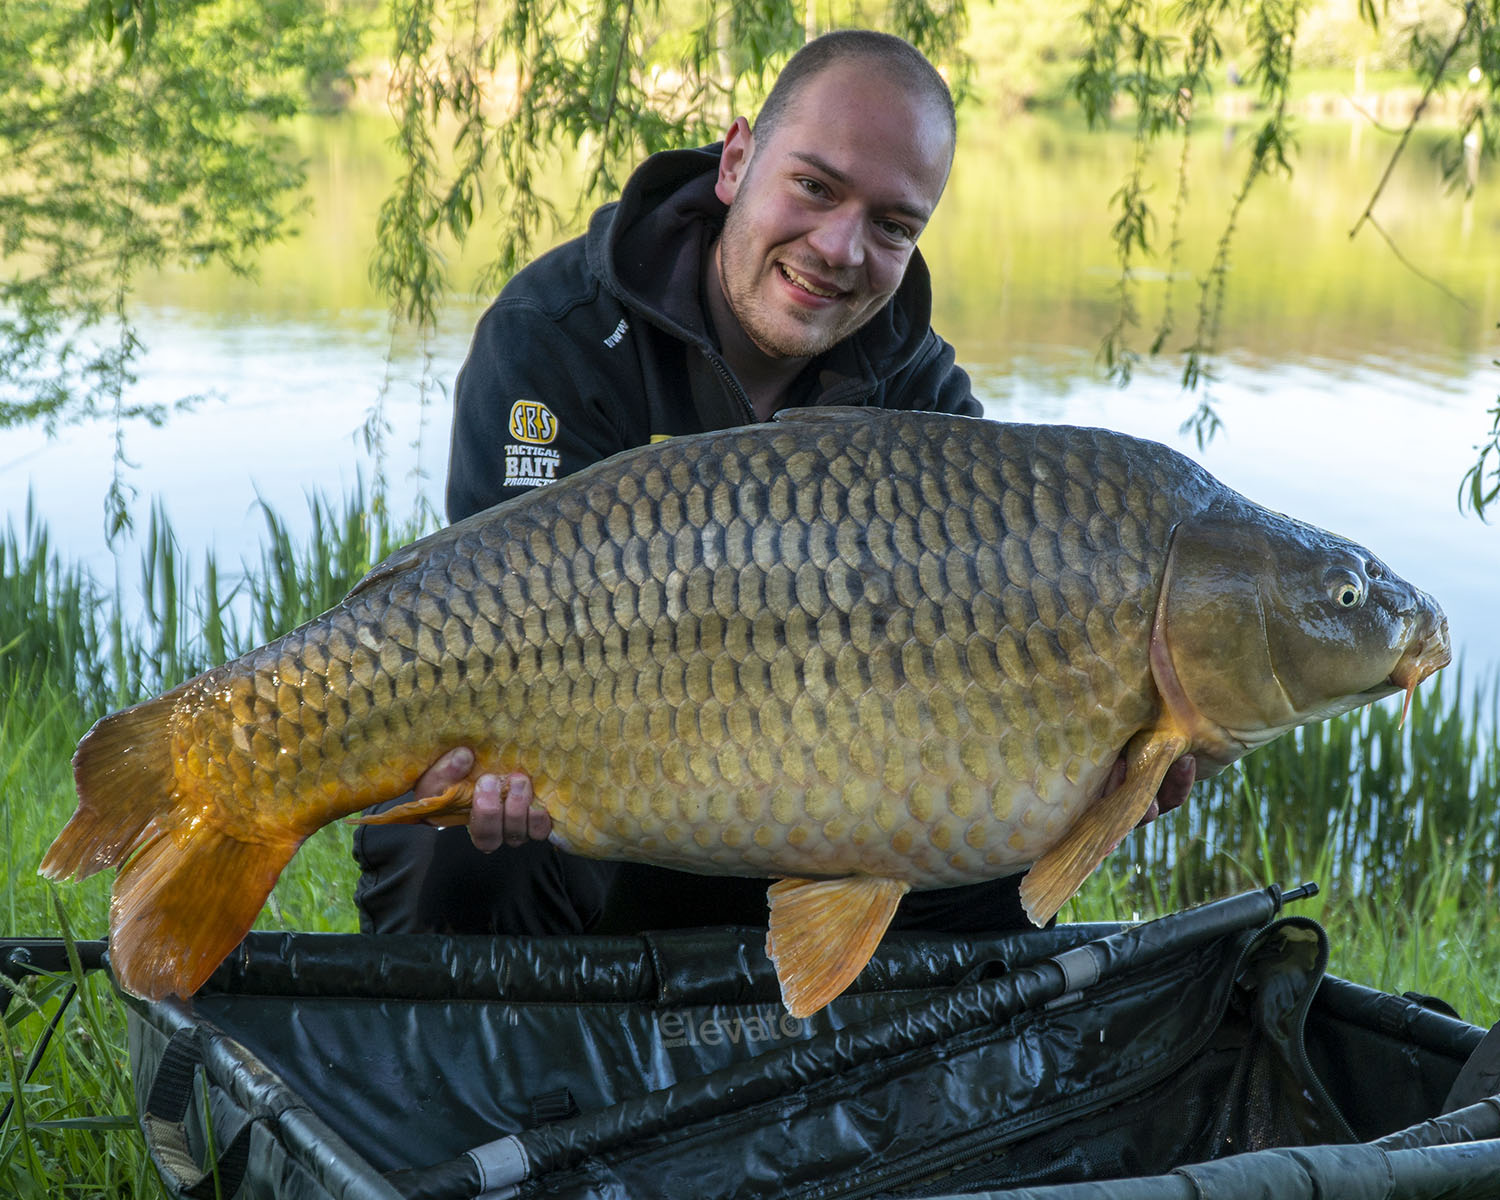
x=895 y=230
x=812 y=187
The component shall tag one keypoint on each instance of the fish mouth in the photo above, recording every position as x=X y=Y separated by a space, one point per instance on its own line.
x=1427 y=654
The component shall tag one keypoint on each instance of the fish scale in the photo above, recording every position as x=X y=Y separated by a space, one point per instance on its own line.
x=882 y=650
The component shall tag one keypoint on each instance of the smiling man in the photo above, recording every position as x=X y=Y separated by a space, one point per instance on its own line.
x=826 y=199
x=777 y=269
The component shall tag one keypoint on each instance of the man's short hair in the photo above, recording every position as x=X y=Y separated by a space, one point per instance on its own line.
x=898 y=59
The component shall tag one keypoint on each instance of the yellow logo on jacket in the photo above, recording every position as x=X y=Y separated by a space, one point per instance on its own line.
x=527 y=462
x=531 y=421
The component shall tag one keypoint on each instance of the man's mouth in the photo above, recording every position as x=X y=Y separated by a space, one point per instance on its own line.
x=806 y=284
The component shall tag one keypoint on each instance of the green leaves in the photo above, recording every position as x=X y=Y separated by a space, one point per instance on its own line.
x=1481 y=483
x=1162 y=64
x=133 y=20
x=1159 y=63
x=136 y=134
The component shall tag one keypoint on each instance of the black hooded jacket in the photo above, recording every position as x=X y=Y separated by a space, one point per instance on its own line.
x=602 y=344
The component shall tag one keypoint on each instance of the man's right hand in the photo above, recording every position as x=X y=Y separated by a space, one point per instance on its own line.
x=502 y=812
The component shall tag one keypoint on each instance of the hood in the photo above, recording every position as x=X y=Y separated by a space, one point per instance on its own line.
x=647 y=249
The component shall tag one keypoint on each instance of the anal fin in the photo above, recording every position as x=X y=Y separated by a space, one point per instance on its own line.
x=823 y=932
x=451 y=806
x=1060 y=872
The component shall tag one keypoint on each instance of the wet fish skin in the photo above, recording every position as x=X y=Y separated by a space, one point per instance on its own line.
x=847 y=646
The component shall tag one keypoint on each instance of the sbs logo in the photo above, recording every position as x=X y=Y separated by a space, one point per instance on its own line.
x=532 y=422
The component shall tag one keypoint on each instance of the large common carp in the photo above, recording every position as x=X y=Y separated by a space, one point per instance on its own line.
x=862 y=651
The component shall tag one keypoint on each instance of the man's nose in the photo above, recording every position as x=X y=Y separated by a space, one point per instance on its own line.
x=839 y=238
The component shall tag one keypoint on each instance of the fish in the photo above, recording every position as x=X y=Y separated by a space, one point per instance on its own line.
x=860 y=652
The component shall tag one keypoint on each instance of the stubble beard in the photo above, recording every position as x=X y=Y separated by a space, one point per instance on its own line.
x=763 y=323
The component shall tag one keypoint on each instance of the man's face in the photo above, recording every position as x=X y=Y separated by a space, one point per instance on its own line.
x=824 y=210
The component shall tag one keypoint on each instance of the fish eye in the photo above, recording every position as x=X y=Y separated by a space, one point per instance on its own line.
x=1345 y=588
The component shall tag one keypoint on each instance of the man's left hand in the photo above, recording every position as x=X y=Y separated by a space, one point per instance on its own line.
x=1174 y=789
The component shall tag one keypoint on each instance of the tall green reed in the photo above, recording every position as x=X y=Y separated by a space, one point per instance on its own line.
x=1373 y=804
x=71 y=648
x=1399 y=825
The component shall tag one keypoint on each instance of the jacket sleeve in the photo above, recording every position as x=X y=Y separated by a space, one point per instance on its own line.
x=527 y=409
x=934 y=382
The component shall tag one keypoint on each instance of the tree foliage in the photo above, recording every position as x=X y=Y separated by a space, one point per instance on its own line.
x=1158 y=61
x=133 y=136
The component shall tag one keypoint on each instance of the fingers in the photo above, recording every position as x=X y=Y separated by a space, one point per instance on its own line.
x=1174 y=789
x=487 y=814
x=444 y=773
x=503 y=812
x=1116 y=778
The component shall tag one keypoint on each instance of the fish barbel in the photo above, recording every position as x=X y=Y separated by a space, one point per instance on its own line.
x=861 y=651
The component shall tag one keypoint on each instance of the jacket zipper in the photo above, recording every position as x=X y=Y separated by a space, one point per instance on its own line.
x=735 y=389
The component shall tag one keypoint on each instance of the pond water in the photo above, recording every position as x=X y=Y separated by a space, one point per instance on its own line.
x=1352 y=391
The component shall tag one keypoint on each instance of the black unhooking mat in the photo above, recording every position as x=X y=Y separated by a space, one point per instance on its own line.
x=1203 y=1055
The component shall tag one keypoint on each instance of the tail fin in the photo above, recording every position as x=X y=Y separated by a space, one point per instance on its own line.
x=183 y=902
x=188 y=890
x=123 y=772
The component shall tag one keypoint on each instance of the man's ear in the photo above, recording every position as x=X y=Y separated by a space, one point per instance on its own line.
x=739 y=145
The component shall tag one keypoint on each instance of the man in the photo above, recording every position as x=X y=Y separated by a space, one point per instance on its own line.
x=776 y=270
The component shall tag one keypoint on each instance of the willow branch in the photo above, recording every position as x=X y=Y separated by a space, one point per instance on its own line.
x=1413 y=268
x=1432 y=85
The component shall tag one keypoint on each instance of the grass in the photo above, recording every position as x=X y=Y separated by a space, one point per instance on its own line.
x=1396 y=823
x=69 y=652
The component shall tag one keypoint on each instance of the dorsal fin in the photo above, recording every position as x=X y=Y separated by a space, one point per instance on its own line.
x=825 y=414
x=398 y=562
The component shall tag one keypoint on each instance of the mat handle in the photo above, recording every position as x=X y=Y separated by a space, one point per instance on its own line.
x=163 y=1122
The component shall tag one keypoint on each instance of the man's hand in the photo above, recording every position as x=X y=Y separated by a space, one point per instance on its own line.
x=502 y=812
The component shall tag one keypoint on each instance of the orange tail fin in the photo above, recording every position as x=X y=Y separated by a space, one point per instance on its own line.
x=188 y=890
x=123 y=772
x=183 y=902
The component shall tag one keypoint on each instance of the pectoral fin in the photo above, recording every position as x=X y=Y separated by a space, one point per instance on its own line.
x=449 y=807
x=1060 y=872
x=823 y=932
